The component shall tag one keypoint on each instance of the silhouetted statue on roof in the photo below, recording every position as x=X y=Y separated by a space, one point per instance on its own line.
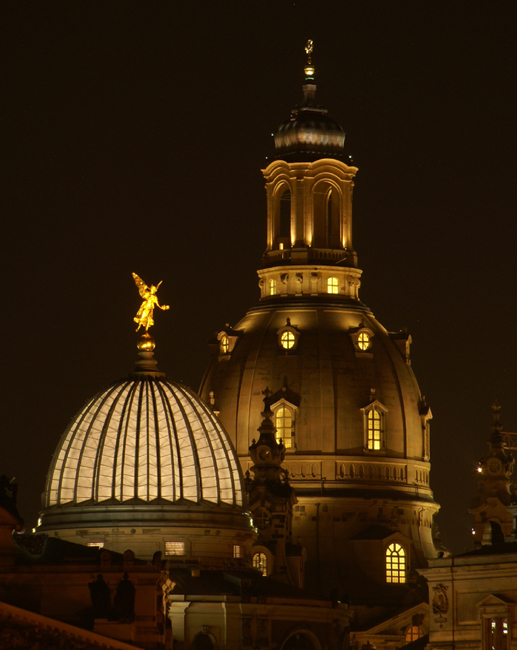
x=100 y=595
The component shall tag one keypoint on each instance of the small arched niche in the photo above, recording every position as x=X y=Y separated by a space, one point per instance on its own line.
x=327 y=216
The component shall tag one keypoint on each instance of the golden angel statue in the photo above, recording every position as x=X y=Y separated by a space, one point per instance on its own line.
x=144 y=317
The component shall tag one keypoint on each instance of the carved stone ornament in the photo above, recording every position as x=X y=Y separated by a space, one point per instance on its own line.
x=440 y=600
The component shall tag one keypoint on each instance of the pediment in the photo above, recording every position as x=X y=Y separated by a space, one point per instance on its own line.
x=492 y=600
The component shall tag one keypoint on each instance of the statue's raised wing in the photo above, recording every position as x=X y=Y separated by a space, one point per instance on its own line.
x=142 y=287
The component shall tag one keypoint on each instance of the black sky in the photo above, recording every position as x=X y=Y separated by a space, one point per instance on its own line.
x=133 y=134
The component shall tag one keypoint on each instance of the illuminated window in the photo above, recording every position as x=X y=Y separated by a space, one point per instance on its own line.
x=496 y=633
x=174 y=548
x=260 y=563
x=363 y=341
x=332 y=285
x=272 y=287
x=374 y=429
x=237 y=551
x=225 y=344
x=284 y=426
x=395 y=563
x=288 y=340
x=413 y=632
x=97 y=544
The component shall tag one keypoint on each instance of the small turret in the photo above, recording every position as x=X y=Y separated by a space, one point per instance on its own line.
x=495 y=507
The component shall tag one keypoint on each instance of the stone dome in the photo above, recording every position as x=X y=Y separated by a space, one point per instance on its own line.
x=309 y=133
x=148 y=452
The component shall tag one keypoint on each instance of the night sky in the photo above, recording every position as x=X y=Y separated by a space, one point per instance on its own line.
x=133 y=134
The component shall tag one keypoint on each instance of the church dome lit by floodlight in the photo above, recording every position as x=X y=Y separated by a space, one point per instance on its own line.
x=146 y=463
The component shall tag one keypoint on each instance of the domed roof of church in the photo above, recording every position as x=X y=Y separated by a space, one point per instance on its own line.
x=309 y=133
x=144 y=439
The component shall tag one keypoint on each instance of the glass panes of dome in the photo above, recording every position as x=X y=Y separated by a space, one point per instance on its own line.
x=287 y=340
x=144 y=439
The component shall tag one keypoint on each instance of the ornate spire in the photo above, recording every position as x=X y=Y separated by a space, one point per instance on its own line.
x=309 y=68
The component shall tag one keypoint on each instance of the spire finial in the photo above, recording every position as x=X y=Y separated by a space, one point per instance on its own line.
x=309 y=68
x=267 y=412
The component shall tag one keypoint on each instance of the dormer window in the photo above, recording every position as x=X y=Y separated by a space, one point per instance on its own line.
x=227 y=339
x=362 y=339
x=288 y=337
x=284 y=422
x=375 y=427
x=332 y=285
x=272 y=287
x=287 y=340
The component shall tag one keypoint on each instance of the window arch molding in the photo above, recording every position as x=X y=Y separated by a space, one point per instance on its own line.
x=375 y=427
x=288 y=337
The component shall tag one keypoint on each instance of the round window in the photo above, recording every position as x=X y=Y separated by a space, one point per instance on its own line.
x=287 y=340
x=363 y=341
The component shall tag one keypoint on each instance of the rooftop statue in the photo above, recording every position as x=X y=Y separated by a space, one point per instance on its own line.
x=144 y=316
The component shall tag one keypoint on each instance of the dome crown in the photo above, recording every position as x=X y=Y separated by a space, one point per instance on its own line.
x=144 y=439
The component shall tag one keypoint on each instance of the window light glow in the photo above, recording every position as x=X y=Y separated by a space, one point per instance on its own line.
x=281 y=246
x=174 y=548
x=284 y=426
x=260 y=563
x=225 y=344
x=363 y=341
x=413 y=632
x=97 y=544
x=288 y=340
x=237 y=551
x=374 y=429
x=332 y=285
x=272 y=287
x=395 y=563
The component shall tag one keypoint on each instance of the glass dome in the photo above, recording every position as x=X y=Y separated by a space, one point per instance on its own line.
x=142 y=440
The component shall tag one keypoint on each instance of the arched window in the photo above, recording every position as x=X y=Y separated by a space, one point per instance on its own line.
x=413 y=632
x=225 y=344
x=284 y=426
x=374 y=429
x=329 y=219
x=272 y=287
x=395 y=563
x=284 y=221
x=260 y=563
x=332 y=285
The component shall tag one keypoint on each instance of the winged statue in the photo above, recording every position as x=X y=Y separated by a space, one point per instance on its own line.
x=144 y=316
